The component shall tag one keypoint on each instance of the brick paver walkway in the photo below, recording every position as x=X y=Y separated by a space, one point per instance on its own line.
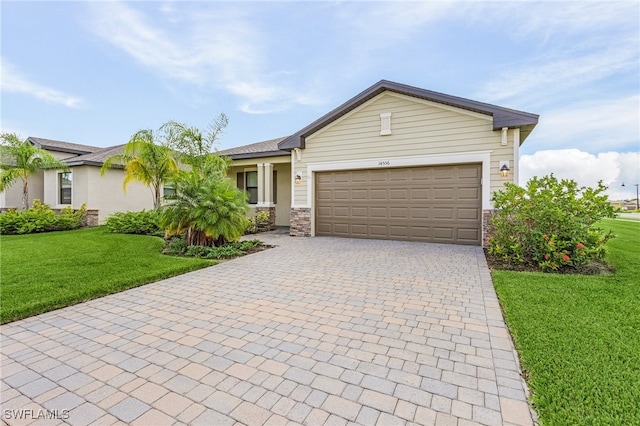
x=315 y=331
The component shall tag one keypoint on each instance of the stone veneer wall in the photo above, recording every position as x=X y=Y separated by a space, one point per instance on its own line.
x=486 y=229
x=270 y=224
x=300 y=222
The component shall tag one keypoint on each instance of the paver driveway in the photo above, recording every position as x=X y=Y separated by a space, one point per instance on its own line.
x=314 y=331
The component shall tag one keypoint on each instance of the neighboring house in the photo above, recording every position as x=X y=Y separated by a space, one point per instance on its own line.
x=394 y=162
x=82 y=184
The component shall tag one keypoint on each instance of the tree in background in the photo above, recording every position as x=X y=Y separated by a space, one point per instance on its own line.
x=145 y=159
x=19 y=159
x=193 y=145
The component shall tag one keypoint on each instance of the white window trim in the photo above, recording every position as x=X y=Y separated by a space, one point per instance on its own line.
x=59 y=205
x=244 y=172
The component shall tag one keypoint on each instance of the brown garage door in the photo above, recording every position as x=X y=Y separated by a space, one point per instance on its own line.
x=433 y=204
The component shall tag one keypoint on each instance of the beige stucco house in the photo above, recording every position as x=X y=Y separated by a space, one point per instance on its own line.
x=393 y=162
x=82 y=183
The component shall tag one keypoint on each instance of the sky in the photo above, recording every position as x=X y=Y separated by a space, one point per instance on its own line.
x=96 y=72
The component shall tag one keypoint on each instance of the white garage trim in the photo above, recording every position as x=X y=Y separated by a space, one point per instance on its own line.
x=483 y=157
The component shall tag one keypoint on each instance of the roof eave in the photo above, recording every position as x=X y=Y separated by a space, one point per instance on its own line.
x=57 y=148
x=249 y=155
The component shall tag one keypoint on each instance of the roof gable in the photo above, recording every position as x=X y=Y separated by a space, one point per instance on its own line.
x=502 y=117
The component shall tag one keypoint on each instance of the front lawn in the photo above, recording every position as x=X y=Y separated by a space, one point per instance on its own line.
x=579 y=336
x=42 y=272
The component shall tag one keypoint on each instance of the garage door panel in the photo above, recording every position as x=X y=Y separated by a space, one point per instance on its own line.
x=324 y=211
x=359 y=194
x=399 y=194
x=467 y=234
x=468 y=194
x=378 y=212
x=359 y=212
x=398 y=212
x=359 y=230
x=341 y=212
x=467 y=213
x=419 y=213
x=432 y=204
x=446 y=193
x=471 y=172
x=378 y=194
x=443 y=233
x=443 y=213
x=418 y=194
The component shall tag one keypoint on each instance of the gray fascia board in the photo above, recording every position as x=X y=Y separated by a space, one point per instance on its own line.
x=249 y=155
x=90 y=163
x=502 y=117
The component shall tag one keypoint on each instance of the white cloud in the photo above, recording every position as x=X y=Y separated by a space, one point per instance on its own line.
x=217 y=48
x=547 y=76
x=595 y=125
x=612 y=168
x=14 y=82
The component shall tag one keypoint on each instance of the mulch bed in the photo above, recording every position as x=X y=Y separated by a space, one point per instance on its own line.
x=593 y=268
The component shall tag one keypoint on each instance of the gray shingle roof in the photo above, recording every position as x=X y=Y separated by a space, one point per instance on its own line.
x=502 y=117
x=259 y=149
x=96 y=158
x=61 y=146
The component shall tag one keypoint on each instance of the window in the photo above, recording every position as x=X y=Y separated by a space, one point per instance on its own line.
x=64 y=185
x=251 y=186
x=168 y=189
x=249 y=182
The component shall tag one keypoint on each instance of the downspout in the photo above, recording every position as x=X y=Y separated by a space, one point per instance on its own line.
x=516 y=156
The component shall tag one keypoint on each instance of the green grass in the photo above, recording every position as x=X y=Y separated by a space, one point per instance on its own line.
x=579 y=336
x=42 y=272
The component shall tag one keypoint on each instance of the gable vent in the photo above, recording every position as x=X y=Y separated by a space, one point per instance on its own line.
x=385 y=123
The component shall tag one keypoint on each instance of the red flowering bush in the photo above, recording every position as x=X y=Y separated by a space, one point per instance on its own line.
x=549 y=224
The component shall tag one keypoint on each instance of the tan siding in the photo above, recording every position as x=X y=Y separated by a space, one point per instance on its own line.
x=419 y=128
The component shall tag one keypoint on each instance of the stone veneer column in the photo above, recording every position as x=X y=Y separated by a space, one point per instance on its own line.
x=300 y=222
x=486 y=229
x=271 y=223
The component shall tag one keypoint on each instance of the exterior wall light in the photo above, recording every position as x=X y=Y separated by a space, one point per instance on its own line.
x=504 y=168
x=298 y=177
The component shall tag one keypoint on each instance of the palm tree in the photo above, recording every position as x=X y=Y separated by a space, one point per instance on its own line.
x=20 y=159
x=194 y=145
x=145 y=161
x=207 y=207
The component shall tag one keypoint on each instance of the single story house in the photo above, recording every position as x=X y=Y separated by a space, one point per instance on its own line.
x=393 y=162
x=82 y=184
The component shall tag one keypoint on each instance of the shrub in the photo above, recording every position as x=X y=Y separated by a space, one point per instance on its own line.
x=261 y=218
x=145 y=222
x=41 y=218
x=549 y=224
x=178 y=246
